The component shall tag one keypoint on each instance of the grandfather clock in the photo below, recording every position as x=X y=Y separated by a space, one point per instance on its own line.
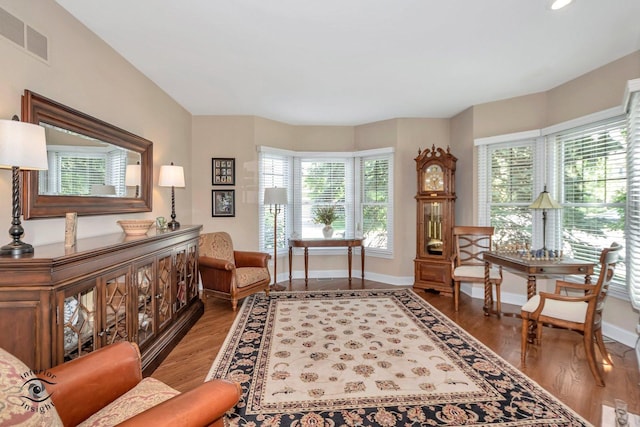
x=435 y=218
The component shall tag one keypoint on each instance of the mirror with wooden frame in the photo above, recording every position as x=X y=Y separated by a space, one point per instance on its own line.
x=95 y=168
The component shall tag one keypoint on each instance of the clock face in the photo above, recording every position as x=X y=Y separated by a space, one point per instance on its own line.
x=434 y=178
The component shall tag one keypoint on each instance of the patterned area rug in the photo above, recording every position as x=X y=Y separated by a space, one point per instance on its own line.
x=371 y=358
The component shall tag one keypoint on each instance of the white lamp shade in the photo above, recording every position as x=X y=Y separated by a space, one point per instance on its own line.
x=171 y=176
x=544 y=201
x=275 y=196
x=23 y=145
x=132 y=175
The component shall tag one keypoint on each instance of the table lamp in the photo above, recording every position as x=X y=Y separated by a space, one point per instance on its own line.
x=132 y=177
x=544 y=202
x=275 y=197
x=22 y=146
x=172 y=176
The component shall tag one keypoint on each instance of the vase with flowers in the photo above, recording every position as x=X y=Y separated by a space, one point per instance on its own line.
x=325 y=215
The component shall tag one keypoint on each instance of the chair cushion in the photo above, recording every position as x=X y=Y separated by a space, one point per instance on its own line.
x=565 y=310
x=475 y=272
x=217 y=245
x=23 y=399
x=148 y=393
x=246 y=276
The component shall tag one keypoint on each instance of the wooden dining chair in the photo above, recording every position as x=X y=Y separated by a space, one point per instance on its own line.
x=467 y=265
x=580 y=311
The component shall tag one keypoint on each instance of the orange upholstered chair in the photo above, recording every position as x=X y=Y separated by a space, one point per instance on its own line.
x=230 y=274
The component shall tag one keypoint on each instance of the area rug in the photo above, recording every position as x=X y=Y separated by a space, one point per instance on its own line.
x=371 y=358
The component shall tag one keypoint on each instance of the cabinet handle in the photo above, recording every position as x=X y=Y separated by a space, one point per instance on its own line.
x=101 y=333
x=158 y=296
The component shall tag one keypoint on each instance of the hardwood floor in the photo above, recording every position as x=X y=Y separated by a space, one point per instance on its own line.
x=558 y=365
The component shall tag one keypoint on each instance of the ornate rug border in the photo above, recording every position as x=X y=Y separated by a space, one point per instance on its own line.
x=245 y=311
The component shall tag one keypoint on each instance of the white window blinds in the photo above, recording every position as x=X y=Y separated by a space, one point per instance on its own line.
x=592 y=174
x=633 y=198
x=506 y=173
x=274 y=171
x=375 y=221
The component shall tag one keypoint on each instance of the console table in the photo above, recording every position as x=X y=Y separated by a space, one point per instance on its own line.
x=532 y=268
x=60 y=303
x=324 y=243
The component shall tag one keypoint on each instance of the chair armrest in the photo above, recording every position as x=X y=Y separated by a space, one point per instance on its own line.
x=201 y=406
x=454 y=262
x=251 y=259
x=218 y=264
x=561 y=284
x=85 y=385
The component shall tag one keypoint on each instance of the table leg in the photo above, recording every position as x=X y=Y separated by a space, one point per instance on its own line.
x=362 y=259
x=306 y=266
x=531 y=291
x=290 y=261
x=350 y=258
x=487 y=290
x=531 y=286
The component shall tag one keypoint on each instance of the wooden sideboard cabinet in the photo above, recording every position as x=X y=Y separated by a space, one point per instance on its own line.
x=60 y=303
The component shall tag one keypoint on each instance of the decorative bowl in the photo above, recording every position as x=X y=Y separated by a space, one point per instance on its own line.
x=136 y=227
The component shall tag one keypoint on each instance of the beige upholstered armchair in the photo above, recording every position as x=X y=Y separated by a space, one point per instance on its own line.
x=580 y=311
x=230 y=274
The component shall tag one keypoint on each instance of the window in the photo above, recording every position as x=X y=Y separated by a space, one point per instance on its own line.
x=275 y=169
x=593 y=188
x=357 y=184
x=507 y=170
x=583 y=167
x=78 y=171
x=633 y=195
x=376 y=202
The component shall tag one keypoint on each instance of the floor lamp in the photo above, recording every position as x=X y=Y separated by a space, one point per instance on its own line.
x=544 y=202
x=172 y=176
x=22 y=146
x=275 y=197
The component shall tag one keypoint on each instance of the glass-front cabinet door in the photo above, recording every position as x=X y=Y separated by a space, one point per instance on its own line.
x=181 y=279
x=163 y=291
x=192 y=272
x=77 y=308
x=115 y=325
x=145 y=301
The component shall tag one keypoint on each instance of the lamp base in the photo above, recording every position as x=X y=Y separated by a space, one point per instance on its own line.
x=173 y=224
x=16 y=249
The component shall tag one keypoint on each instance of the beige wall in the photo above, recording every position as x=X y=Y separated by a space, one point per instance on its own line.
x=85 y=73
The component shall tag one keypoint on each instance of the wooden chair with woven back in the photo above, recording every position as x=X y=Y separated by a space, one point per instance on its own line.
x=230 y=274
x=467 y=265
x=580 y=311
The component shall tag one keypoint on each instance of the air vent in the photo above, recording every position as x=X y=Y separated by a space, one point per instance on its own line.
x=11 y=27
x=24 y=36
x=37 y=43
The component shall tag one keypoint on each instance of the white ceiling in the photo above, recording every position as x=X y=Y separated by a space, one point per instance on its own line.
x=348 y=62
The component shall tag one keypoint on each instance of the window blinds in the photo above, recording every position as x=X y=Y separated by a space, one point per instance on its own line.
x=633 y=200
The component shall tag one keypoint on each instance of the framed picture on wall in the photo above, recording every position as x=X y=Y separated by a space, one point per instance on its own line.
x=223 y=171
x=223 y=203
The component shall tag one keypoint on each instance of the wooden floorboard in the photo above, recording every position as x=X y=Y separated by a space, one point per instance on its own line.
x=558 y=364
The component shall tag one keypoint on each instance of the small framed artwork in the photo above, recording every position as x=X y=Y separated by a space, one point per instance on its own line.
x=223 y=203
x=223 y=171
